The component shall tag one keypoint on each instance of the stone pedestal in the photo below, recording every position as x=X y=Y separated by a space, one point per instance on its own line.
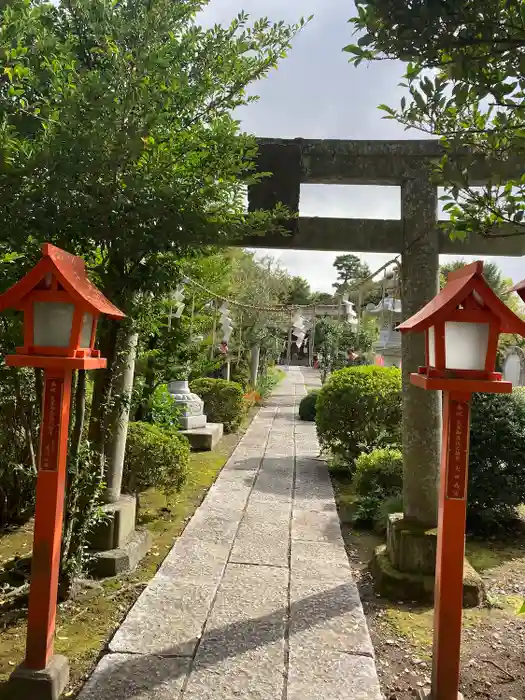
x=117 y=526
x=48 y=684
x=118 y=546
x=403 y=569
x=204 y=439
x=191 y=406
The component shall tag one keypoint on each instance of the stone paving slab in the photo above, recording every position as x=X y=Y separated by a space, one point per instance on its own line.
x=331 y=675
x=256 y=599
x=167 y=618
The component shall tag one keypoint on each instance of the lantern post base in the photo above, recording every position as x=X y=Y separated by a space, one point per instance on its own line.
x=47 y=684
x=426 y=694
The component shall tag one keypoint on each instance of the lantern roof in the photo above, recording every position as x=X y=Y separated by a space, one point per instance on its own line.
x=70 y=272
x=461 y=284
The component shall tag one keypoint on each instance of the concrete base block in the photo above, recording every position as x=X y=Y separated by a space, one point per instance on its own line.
x=192 y=422
x=49 y=684
x=115 y=531
x=404 y=585
x=204 y=439
x=122 y=559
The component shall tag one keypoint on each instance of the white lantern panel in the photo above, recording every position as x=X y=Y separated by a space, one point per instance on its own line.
x=85 y=332
x=53 y=321
x=466 y=345
x=431 y=347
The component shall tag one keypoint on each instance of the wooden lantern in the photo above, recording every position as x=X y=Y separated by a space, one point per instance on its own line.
x=61 y=308
x=462 y=325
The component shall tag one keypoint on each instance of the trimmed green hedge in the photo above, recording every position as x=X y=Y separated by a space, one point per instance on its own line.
x=223 y=401
x=497 y=459
x=307 y=407
x=155 y=457
x=358 y=409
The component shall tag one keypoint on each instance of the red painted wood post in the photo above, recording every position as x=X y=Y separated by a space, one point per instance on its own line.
x=47 y=538
x=448 y=606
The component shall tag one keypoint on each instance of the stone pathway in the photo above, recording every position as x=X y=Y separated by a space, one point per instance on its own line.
x=256 y=599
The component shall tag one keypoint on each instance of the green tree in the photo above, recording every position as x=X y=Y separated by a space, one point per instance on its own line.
x=491 y=272
x=118 y=143
x=350 y=269
x=298 y=291
x=465 y=82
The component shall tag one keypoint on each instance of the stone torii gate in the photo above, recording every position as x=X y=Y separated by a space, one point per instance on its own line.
x=416 y=235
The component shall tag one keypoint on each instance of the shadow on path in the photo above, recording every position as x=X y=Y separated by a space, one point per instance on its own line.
x=135 y=672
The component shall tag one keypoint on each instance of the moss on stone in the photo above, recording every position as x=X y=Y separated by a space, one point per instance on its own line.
x=401 y=585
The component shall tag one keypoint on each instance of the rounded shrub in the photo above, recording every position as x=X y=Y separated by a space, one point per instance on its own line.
x=307 y=406
x=359 y=408
x=497 y=459
x=378 y=481
x=223 y=401
x=380 y=470
x=155 y=458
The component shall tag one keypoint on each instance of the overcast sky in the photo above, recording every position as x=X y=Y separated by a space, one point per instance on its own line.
x=316 y=93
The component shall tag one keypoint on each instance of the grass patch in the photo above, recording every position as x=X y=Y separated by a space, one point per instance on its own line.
x=485 y=557
x=86 y=623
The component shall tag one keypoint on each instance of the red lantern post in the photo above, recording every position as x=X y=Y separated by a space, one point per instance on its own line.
x=61 y=308
x=462 y=326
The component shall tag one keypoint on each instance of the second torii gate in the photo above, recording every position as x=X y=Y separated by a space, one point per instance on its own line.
x=416 y=235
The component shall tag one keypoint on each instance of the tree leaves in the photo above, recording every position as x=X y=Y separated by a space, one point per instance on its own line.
x=465 y=77
x=117 y=134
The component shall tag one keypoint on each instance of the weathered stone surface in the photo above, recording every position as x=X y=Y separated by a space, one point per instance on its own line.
x=401 y=585
x=410 y=546
x=256 y=674
x=213 y=622
x=320 y=560
x=421 y=409
x=48 y=684
x=115 y=531
x=126 y=676
x=242 y=652
x=328 y=615
x=371 y=235
x=167 y=619
x=194 y=559
x=204 y=439
x=331 y=674
x=123 y=559
x=313 y=526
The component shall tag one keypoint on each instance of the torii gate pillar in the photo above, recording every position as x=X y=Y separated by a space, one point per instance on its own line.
x=411 y=535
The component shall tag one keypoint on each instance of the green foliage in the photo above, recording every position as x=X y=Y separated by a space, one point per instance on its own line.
x=19 y=426
x=464 y=82
x=83 y=513
x=380 y=470
x=268 y=380
x=350 y=270
x=155 y=458
x=298 y=292
x=378 y=481
x=164 y=411
x=497 y=459
x=334 y=338
x=240 y=374
x=357 y=407
x=223 y=401
x=307 y=406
